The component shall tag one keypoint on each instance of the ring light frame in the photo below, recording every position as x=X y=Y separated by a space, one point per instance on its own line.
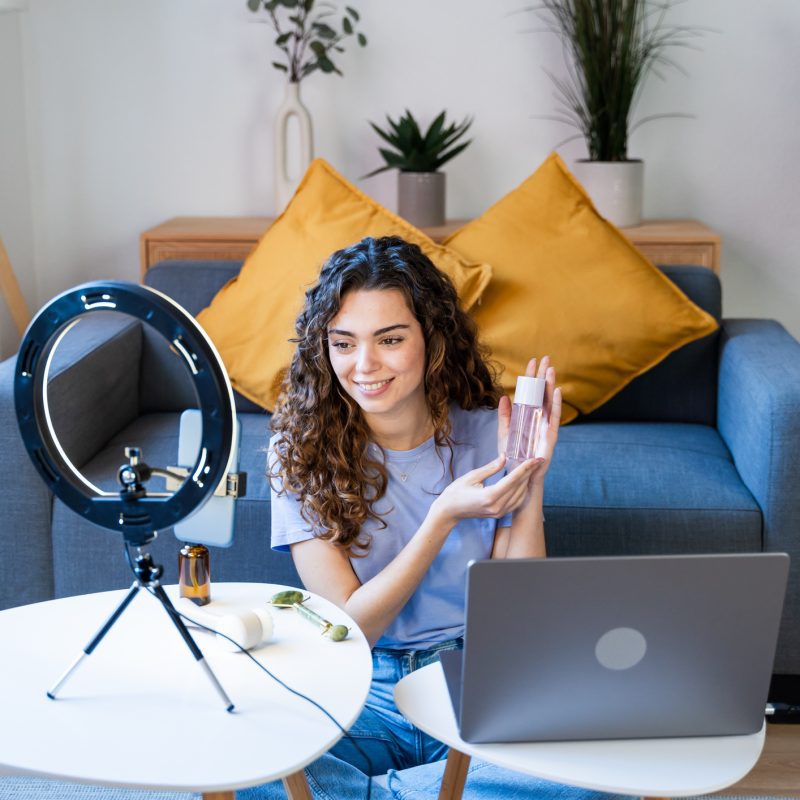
x=138 y=520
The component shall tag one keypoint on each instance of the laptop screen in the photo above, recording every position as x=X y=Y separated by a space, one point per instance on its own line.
x=628 y=647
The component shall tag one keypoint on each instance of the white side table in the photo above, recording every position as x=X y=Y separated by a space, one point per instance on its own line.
x=644 y=767
x=140 y=712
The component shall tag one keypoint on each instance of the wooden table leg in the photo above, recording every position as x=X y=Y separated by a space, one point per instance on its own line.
x=296 y=786
x=455 y=775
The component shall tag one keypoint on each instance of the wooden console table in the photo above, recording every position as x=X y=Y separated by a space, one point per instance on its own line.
x=232 y=238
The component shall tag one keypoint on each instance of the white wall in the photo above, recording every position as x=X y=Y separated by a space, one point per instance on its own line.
x=16 y=220
x=139 y=111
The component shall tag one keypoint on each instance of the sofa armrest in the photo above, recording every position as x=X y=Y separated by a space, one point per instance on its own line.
x=92 y=393
x=26 y=555
x=758 y=416
x=93 y=390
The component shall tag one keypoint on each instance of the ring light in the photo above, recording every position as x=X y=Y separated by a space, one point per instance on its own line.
x=137 y=515
x=132 y=511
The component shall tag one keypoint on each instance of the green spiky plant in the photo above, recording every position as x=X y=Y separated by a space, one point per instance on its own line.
x=305 y=37
x=612 y=46
x=415 y=151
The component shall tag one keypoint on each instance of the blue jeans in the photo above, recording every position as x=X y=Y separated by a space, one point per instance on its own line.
x=383 y=734
x=330 y=778
x=412 y=759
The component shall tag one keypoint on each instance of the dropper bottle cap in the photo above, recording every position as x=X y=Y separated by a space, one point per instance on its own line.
x=530 y=391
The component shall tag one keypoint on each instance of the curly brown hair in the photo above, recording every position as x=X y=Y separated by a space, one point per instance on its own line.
x=322 y=452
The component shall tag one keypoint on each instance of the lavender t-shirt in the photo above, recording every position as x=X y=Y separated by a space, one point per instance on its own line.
x=435 y=612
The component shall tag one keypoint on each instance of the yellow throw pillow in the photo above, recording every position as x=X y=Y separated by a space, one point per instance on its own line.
x=251 y=319
x=566 y=283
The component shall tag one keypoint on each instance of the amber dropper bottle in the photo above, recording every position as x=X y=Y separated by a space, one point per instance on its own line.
x=194 y=573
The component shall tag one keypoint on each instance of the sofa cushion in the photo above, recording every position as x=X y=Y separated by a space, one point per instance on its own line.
x=639 y=488
x=683 y=387
x=251 y=319
x=191 y=284
x=567 y=283
x=248 y=559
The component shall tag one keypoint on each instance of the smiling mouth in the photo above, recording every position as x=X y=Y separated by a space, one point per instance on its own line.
x=372 y=387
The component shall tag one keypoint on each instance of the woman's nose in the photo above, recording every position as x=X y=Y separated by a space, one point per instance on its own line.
x=367 y=360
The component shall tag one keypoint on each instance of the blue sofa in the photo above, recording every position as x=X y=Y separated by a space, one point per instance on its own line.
x=698 y=455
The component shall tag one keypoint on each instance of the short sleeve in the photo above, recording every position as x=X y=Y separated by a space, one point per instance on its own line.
x=288 y=525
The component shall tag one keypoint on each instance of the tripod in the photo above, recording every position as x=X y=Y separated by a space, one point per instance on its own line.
x=147 y=576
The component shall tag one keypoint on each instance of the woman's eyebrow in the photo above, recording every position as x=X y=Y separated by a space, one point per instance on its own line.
x=378 y=332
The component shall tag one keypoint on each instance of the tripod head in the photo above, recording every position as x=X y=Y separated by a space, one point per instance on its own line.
x=146 y=570
x=133 y=475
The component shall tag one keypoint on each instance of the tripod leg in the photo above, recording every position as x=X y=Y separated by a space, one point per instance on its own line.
x=87 y=651
x=191 y=644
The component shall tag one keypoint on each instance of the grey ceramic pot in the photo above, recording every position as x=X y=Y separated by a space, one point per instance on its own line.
x=420 y=197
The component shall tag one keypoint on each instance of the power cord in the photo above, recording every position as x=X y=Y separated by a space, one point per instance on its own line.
x=174 y=612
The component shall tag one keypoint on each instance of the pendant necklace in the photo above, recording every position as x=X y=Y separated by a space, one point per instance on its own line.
x=405 y=474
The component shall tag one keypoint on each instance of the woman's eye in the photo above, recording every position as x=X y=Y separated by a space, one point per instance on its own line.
x=392 y=340
x=341 y=346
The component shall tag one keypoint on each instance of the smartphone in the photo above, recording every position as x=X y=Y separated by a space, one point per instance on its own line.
x=213 y=523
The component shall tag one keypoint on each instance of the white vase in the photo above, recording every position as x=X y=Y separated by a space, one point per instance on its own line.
x=615 y=188
x=285 y=182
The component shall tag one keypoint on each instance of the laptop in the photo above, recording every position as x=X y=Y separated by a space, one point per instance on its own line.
x=616 y=648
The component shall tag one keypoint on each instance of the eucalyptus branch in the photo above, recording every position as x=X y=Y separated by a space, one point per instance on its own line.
x=305 y=39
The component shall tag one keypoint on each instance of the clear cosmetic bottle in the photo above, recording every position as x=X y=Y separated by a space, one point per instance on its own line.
x=526 y=420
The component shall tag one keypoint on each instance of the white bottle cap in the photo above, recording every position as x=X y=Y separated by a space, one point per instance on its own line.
x=530 y=391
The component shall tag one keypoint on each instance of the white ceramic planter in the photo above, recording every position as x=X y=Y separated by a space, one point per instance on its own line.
x=615 y=188
x=420 y=197
x=286 y=183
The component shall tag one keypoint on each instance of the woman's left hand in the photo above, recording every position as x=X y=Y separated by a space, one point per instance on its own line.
x=551 y=418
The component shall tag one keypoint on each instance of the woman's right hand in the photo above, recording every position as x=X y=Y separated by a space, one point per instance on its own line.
x=467 y=497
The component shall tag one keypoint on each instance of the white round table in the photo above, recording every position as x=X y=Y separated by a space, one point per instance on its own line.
x=140 y=712
x=644 y=767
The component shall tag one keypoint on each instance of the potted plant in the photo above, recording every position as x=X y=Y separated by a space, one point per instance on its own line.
x=612 y=45
x=308 y=38
x=418 y=157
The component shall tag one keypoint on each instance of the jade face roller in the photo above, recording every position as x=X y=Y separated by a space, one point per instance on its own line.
x=294 y=599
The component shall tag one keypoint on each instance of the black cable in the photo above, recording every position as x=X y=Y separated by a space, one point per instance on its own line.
x=165 y=473
x=172 y=611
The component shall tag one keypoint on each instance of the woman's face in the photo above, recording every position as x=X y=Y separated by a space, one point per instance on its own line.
x=377 y=351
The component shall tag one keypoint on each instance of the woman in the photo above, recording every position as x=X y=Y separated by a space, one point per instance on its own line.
x=386 y=474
